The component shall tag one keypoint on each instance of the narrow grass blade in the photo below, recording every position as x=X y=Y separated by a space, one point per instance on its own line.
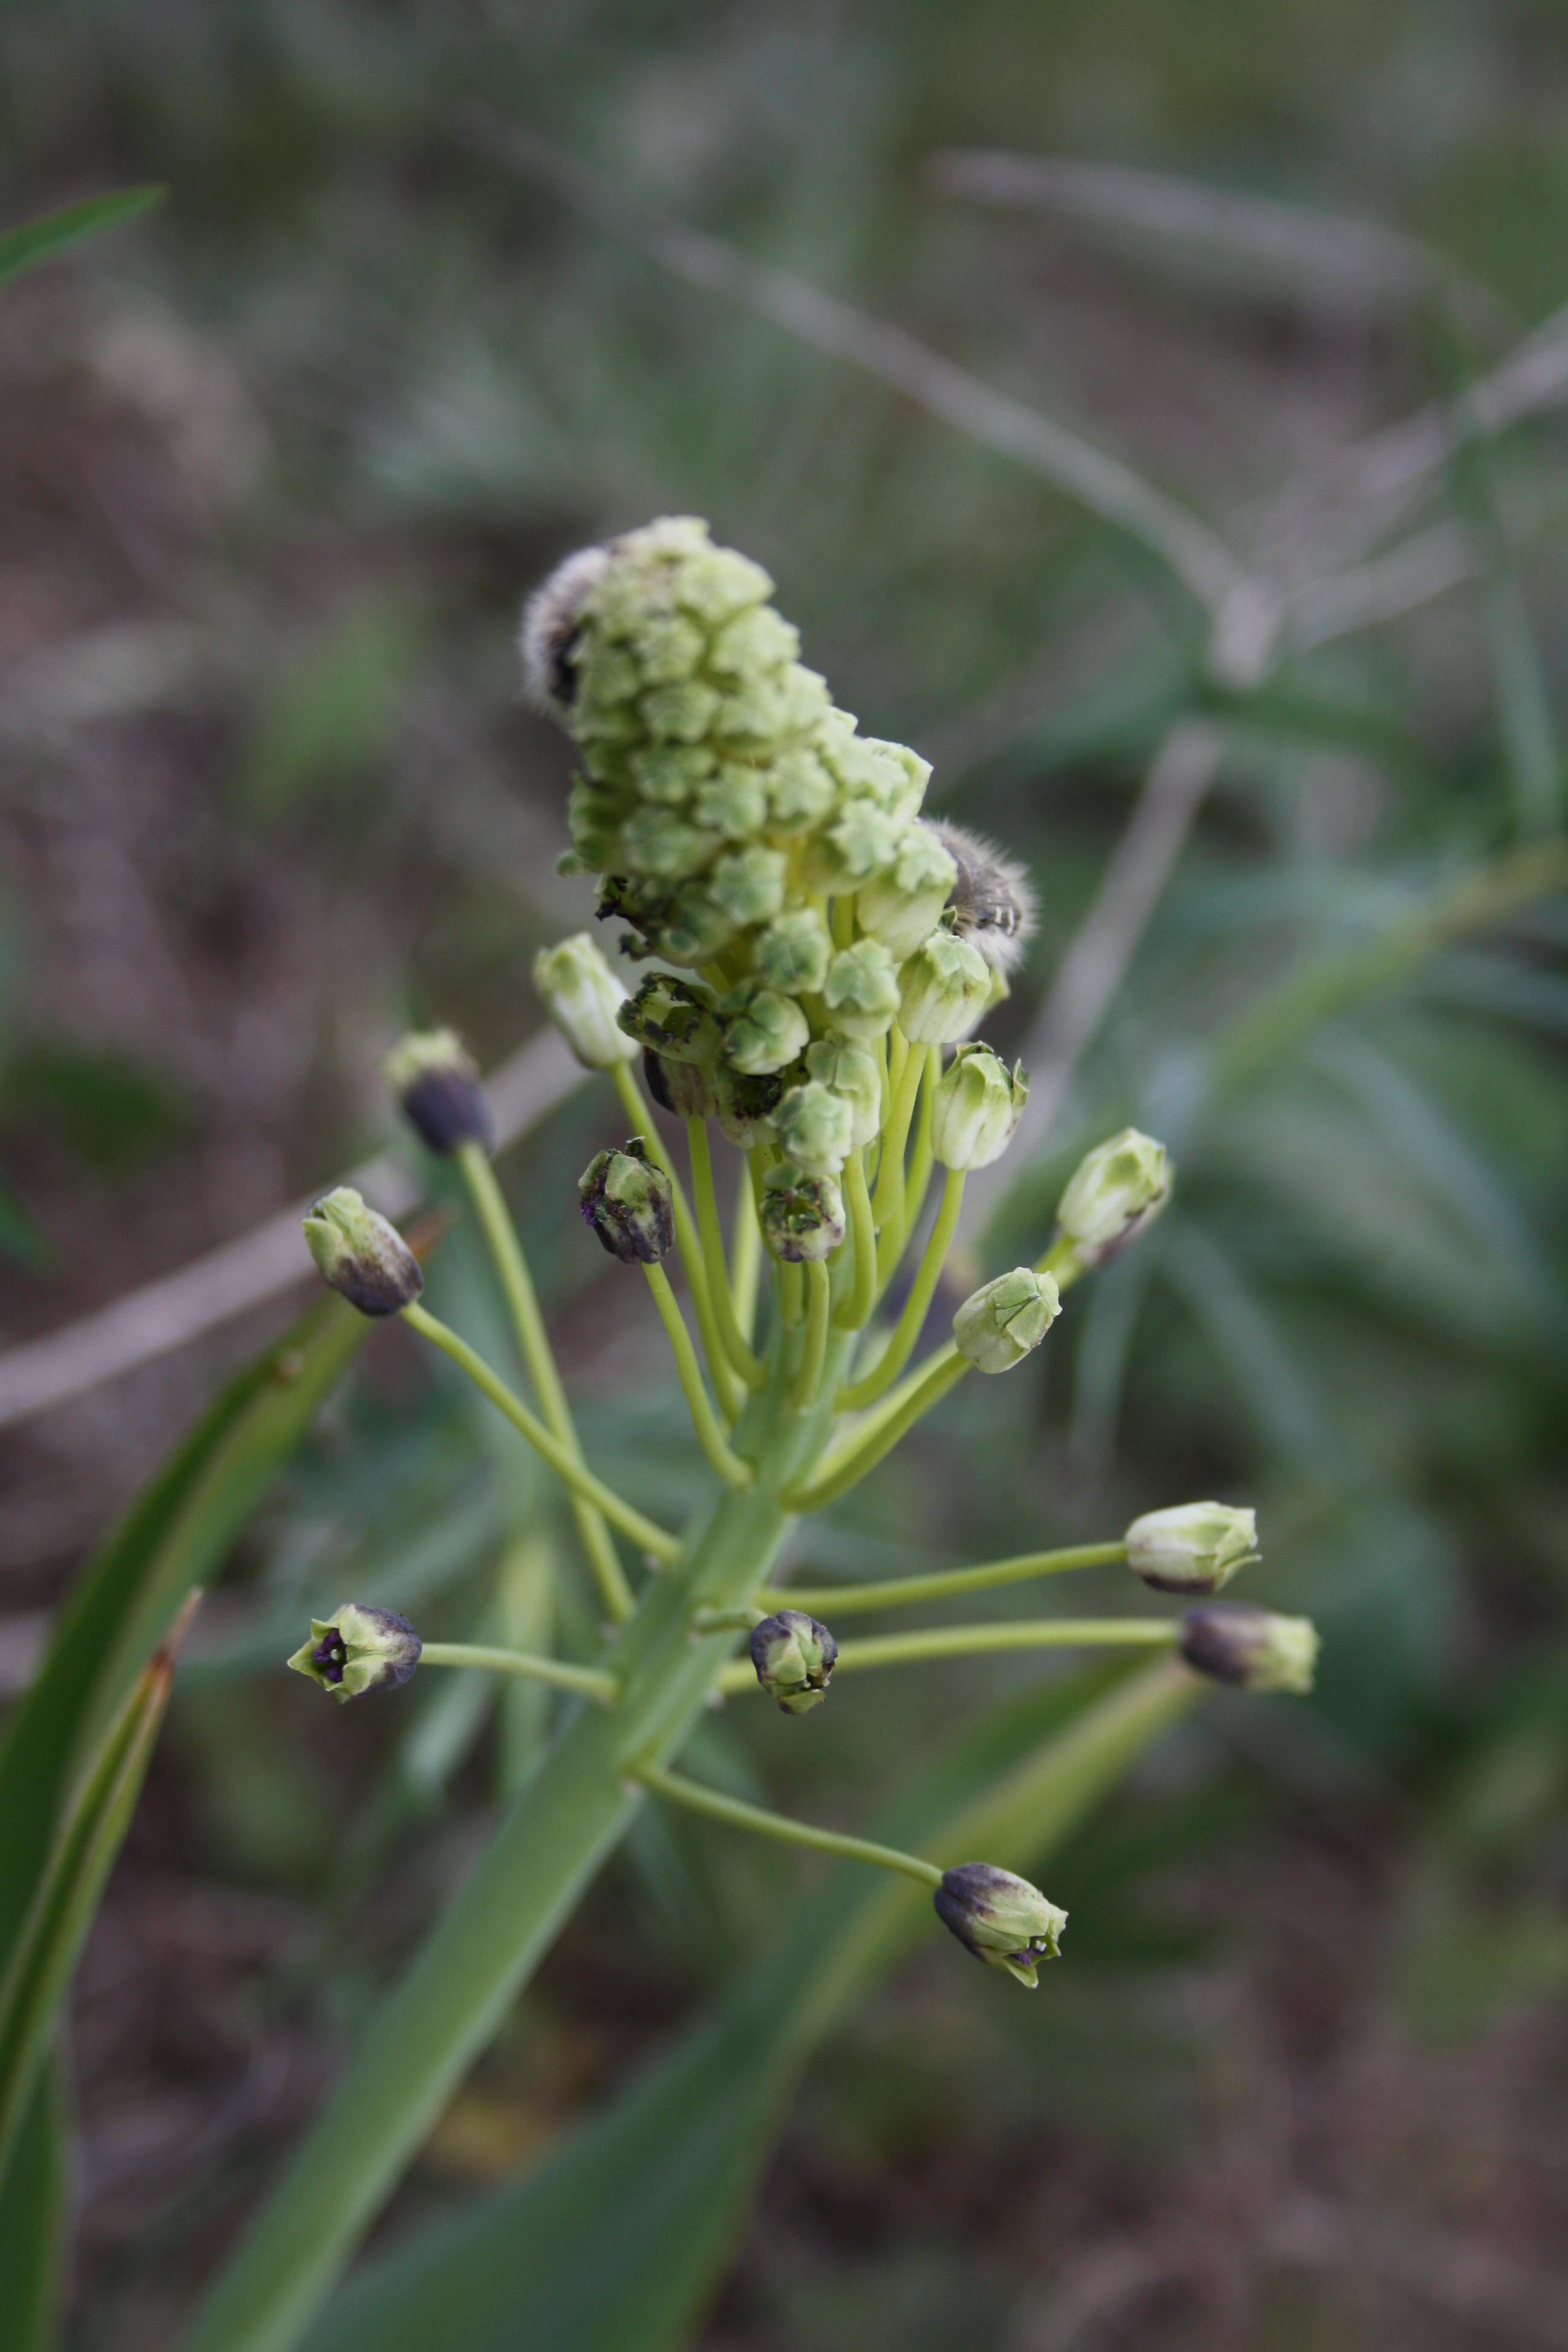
x=174 y=1534
x=616 y=2241
x=31 y=241
x=69 y=1885
x=35 y=2199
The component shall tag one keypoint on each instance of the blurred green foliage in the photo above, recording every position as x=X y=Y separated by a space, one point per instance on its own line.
x=1355 y=1313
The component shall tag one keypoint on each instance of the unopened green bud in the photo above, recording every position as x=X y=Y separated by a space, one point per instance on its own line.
x=438 y=1085
x=861 y=990
x=793 y=953
x=975 y=1108
x=357 y=1649
x=360 y=1255
x=1192 y=1546
x=683 y=1088
x=794 y=1657
x=673 y=1017
x=749 y=884
x=856 y=844
x=734 y=801
x=764 y=1029
x=1001 y=1918
x=802 y=1215
x=850 y=1069
x=998 y=1325
x=816 y=1127
x=746 y=1106
x=660 y=842
x=1121 y=1187
x=945 y=988
x=1253 y=1648
x=628 y=1202
x=582 y=996
x=901 y=905
x=800 y=790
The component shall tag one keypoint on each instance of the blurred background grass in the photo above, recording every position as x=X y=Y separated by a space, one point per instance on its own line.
x=279 y=463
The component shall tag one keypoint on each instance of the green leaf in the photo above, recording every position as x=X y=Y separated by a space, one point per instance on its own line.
x=34 y=2208
x=616 y=2241
x=68 y=1889
x=173 y=1536
x=24 y=247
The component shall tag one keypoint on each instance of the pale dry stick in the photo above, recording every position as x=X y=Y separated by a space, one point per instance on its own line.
x=1114 y=491
x=1314 y=252
x=168 y=1314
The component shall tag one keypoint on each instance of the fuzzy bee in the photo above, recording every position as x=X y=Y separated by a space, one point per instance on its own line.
x=993 y=900
x=549 y=631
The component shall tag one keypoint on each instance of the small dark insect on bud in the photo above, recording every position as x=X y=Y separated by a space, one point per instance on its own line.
x=551 y=621
x=438 y=1085
x=1253 y=1648
x=1001 y=1918
x=993 y=900
x=358 y=1650
x=794 y=1657
x=628 y=1202
x=360 y=1255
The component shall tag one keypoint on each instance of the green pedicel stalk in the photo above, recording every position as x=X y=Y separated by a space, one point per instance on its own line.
x=687 y=1240
x=717 y=1807
x=850 y=1464
x=944 y=1584
x=512 y=1267
x=655 y=1539
x=978 y=1641
x=589 y=1682
x=813 y=1354
x=855 y=1312
x=911 y=1323
x=485 y=1945
x=710 y=1436
x=749 y=1368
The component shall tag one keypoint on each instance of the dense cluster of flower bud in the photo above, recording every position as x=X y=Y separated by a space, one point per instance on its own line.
x=745 y=830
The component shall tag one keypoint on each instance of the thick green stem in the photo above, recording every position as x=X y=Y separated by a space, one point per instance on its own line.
x=687 y=1240
x=943 y=1584
x=512 y=1267
x=917 y=1306
x=748 y=1367
x=850 y=1465
x=655 y=1539
x=855 y=1309
x=710 y=1436
x=792 y=1294
x=591 y=1681
x=490 y=1935
x=976 y=1641
x=718 y=1808
x=818 y=1304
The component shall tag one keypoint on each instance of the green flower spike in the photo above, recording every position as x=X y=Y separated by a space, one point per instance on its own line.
x=794 y=1657
x=975 y=1108
x=361 y=1256
x=802 y=1215
x=1119 y=1188
x=629 y=1202
x=438 y=1085
x=358 y=1650
x=1252 y=1648
x=582 y=996
x=1001 y=1918
x=997 y=1327
x=1192 y=1546
x=943 y=989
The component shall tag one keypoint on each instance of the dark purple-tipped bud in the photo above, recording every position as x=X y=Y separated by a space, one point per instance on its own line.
x=680 y=1087
x=361 y=1256
x=629 y=1202
x=794 y=1657
x=1001 y=1918
x=1253 y=1648
x=674 y=1018
x=358 y=1650
x=438 y=1086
